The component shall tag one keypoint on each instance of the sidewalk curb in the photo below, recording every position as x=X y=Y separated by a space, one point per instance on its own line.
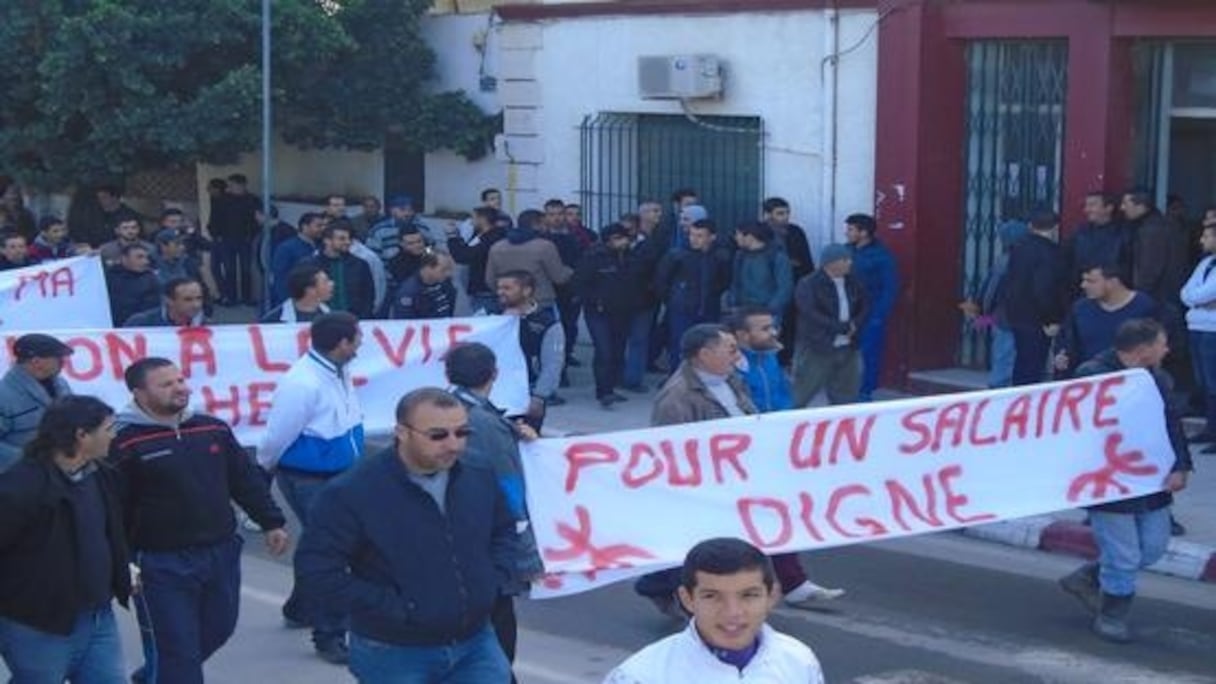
x=1183 y=559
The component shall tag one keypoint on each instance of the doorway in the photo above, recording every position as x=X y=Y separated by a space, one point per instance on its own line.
x=1192 y=167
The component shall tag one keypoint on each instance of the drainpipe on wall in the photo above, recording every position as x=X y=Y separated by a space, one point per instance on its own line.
x=830 y=80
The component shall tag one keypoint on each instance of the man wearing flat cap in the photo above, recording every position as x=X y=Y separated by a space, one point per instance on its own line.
x=832 y=308
x=28 y=387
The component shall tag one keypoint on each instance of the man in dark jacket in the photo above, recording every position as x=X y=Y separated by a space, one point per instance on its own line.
x=1134 y=533
x=353 y=288
x=132 y=284
x=234 y=225
x=183 y=470
x=645 y=250
x=420 y=595
x=429 y=293
x=1103 y=240
x=474 y=254
x=1034 y=293
x=29 y=386
x=832 y=310
x=293 y=252
x=875 y=267
x=608 y=285
x=792 y=238
x=762 y=275
x=182 y=307
x=472 y=368
x=690 y=281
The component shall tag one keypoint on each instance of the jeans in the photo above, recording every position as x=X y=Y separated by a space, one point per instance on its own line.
x=873 y=342
x=1030 y=359
x=568 y=310
x=608 y=333
x=637 y=347
x=1003 y=352
x=838 y=371
x=1128 y=542
x=506 y=627
x=91 y=654
x=233 y=264
x=187 y=608
x=476 y=660
x=299 y=491
x=1203 y=356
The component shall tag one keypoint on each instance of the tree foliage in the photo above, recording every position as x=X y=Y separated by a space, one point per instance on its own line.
x=98 y=89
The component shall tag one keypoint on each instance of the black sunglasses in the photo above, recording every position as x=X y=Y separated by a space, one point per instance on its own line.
x=440 y=434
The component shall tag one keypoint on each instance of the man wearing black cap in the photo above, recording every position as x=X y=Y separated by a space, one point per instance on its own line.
x=28 y=387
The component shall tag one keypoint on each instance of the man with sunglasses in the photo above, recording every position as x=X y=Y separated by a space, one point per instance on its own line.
x=314 y=432
x=414 y=544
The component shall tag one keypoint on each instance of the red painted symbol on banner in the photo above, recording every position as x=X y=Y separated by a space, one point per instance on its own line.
x=601 y=557
x=1117 y=463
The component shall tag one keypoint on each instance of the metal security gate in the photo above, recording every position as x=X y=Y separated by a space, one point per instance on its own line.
x=626 y=158
x=1013 y=156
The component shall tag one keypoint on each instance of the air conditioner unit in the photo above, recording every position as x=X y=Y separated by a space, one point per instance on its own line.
x=676 y=77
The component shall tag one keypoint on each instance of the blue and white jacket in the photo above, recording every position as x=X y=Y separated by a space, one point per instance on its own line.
x=315 y=423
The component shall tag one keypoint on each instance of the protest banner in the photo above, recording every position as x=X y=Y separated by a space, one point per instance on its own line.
x=609 y=506
x=68 y=293
x=232 y=369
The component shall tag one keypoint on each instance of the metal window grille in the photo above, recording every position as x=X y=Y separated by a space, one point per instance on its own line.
x=1013 y=155
x=627 y=158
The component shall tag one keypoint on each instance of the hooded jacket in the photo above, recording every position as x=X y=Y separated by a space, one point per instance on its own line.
x=524 y=250
x=23 y=400
x=181 y=479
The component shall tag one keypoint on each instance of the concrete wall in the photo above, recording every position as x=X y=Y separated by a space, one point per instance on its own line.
x=557 y=72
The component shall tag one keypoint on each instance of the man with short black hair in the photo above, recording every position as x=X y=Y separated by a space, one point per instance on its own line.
x=1134 y=533
x=314 y=432
x=27 y=388
x=690 y=281
x=473 y=252
x=384 y=238
x=472 y=369
x=610 y=286
x=132 y=284
x=52 y=241
x=727 y=585
x=335 y=207
x=763 y=275
x=1033 y=293
x=127 y=232
x=1093 y=320
x=371 y=215
x=429 y=293
x=14 y=252
x=524 y=249
x=183 y=471
x=415 y=545
x=310 y=288
x=875 y=267
x=353 y=289
x=541 y=338
x=1102 y=240
x=294 y=251
x=182 y=307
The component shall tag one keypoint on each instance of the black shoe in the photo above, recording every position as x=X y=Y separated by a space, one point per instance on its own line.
x=618 y=397
x=573 y=362
x=636 y=389
x=334 y=651
x=138 y=676
x=606 y=402
x=1176 y=528
x=555 y=400
x=1204 y=437
x=292 y=618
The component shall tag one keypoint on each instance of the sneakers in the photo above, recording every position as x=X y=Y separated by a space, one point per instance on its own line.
x=333 y=651
x=1082 y=584
x=1111 y=621
x=809 y=595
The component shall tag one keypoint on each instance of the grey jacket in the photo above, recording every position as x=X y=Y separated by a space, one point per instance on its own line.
x=494 y=445
x=685 y=399
x=23 y=400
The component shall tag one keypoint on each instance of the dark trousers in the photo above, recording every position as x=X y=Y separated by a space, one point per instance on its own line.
x=299 y=490
x=187 y=608
x=609 y=332
x=506 y=629
x=678 y=323
x=1203 y=355
x=637 y=347
x=789 y=571
x=232 y=261
x=1031 y=348
x=873 y=342
x=568 y=310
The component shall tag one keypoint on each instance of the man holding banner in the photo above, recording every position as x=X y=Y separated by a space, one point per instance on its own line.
x=314 y=433
x=1134 y=533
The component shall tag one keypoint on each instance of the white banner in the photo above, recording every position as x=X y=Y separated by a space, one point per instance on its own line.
x=68 y=293
x=233 y=368
x=609 y=506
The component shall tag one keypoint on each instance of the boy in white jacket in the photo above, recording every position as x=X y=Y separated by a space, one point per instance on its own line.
x=729 y=587
x=1199 y=296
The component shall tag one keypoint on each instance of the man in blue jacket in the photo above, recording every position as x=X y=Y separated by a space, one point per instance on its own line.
x=874 y=266
x=419 y=595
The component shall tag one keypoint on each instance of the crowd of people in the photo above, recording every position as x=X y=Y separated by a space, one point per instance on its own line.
x=148 y=489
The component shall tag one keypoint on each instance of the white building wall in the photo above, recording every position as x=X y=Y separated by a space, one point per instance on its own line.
x=557 y=72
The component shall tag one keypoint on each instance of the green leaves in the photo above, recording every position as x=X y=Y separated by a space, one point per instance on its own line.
x=99 y=89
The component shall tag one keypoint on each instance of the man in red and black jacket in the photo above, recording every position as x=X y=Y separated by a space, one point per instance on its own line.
x=182 y=470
